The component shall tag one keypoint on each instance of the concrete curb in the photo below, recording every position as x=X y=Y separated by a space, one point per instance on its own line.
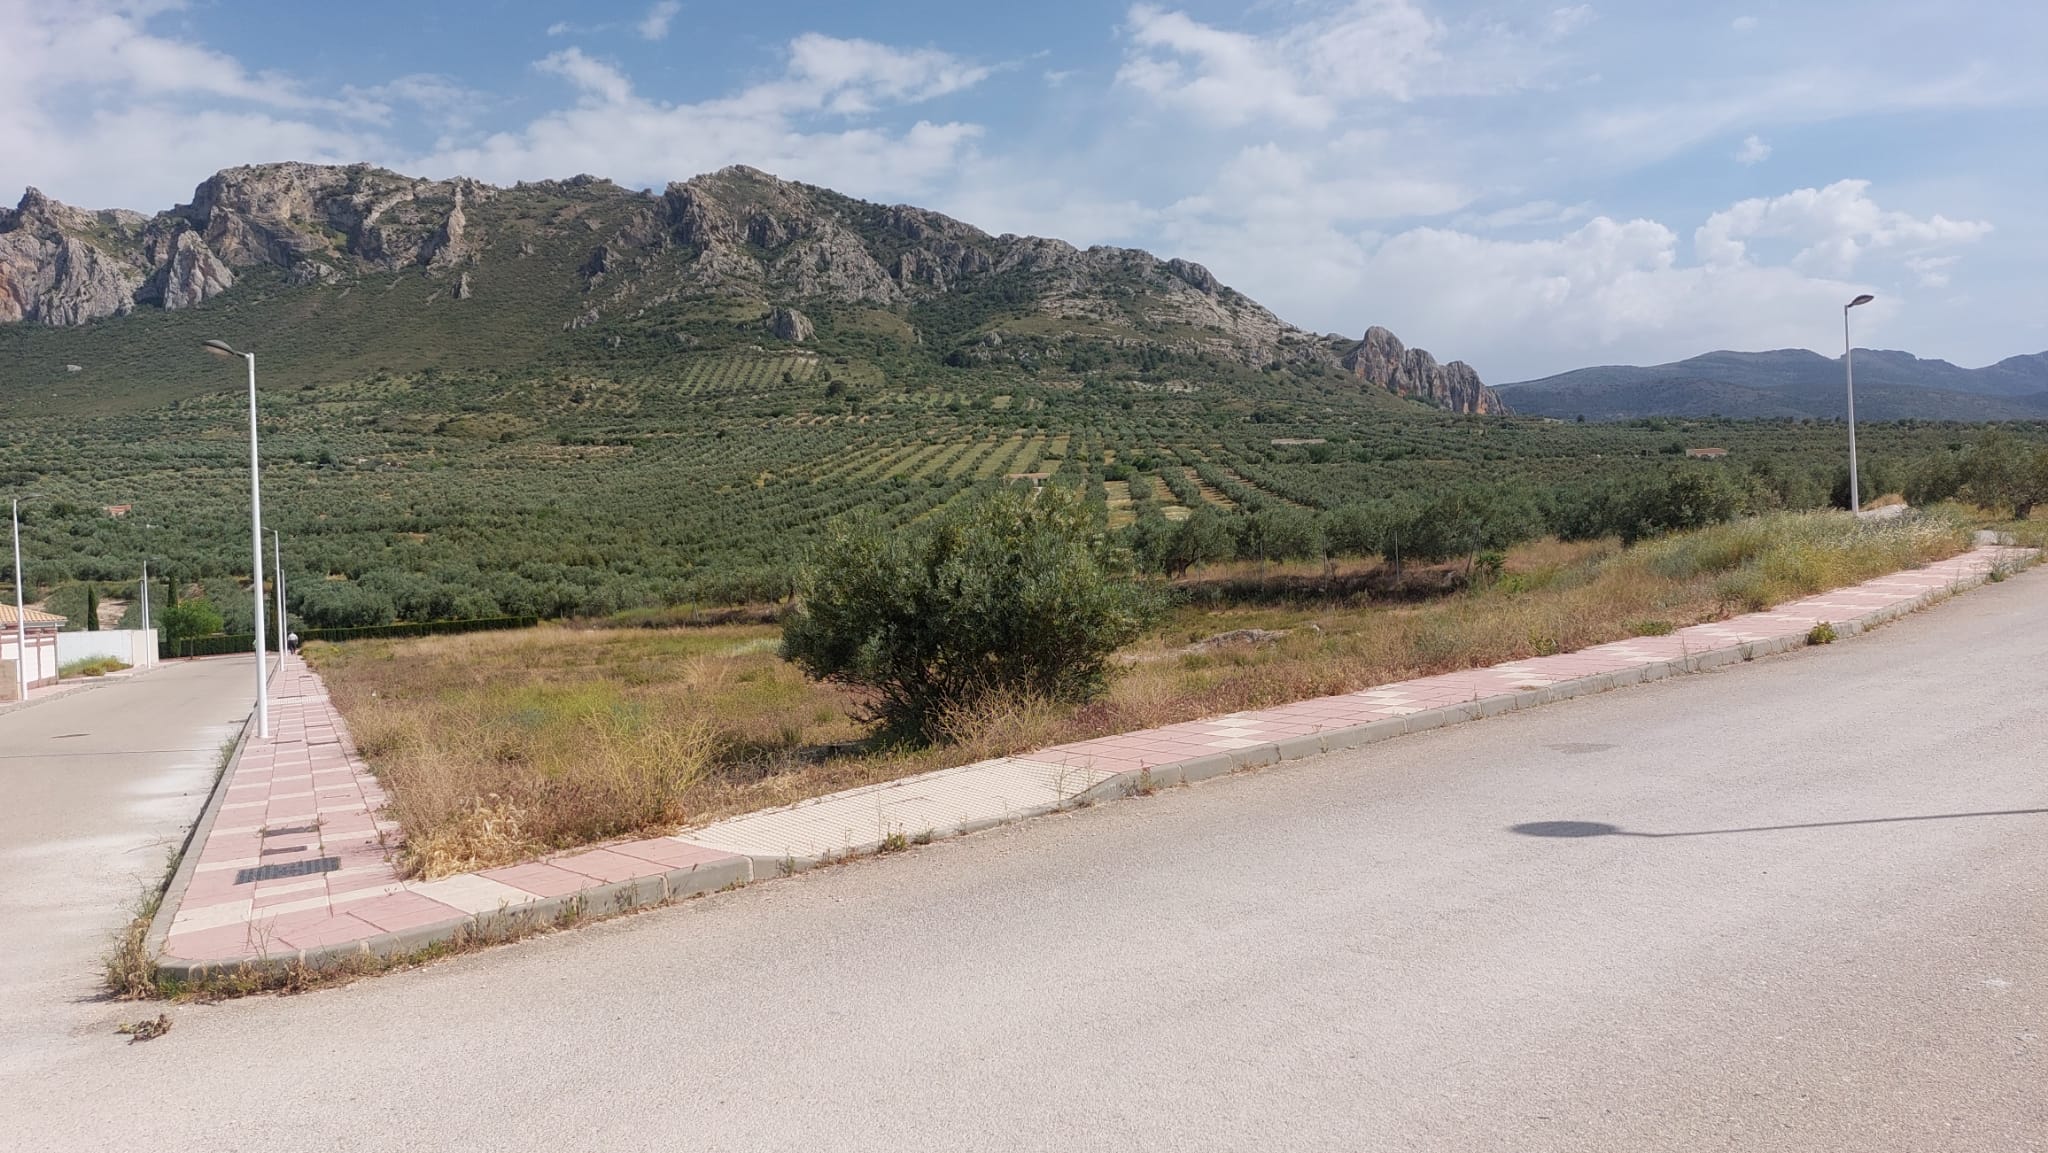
x=188 y=860
x=508 y=922
x=1152 y=777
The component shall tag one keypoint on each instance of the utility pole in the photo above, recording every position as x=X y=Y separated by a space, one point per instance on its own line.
x=222 y=348
x=1849 y=371
x=20 y=608
x=277 y=553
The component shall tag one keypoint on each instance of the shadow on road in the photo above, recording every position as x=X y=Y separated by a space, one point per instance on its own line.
x=1572 y=829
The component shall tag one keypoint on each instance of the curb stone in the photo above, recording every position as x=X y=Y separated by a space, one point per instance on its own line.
x=188 y=860
x=1357 y=736
x=737 y=868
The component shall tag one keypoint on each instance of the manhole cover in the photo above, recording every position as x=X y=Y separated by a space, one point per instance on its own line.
x=293 y=869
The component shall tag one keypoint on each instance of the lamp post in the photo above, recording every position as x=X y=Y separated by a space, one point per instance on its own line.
x=277 y=555
x=20 y=609
x=1849 y=371
x=146 y=626
x=222 y=348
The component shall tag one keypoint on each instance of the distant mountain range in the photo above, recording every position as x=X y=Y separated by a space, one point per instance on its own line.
x=1792 y=382
x=512 y=275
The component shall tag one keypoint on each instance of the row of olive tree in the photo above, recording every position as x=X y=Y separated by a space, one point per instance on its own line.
x=1460 y=522
x=1997 y=471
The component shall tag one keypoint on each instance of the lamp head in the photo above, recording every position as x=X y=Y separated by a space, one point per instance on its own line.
x=1865 y=298
x=220 y=348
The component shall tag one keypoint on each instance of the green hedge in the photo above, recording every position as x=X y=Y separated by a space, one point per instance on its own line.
x=246 y=642
x=419 y=629
x=212 y=646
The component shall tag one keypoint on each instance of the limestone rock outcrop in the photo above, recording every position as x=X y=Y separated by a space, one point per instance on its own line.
x=192 y=274
x=790 y=325
x=1381 y=359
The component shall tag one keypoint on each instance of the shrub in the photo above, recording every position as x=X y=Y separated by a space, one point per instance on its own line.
x=191 y=618
x=1203 y=537
x=1018 y=594
x=2000 y=471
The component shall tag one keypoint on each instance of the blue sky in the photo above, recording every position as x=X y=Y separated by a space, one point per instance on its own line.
x=1527 y=186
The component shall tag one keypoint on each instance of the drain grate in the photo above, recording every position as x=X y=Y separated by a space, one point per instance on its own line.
x=291 y=869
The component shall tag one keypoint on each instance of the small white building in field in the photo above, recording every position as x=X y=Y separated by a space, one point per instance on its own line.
x=42 y=649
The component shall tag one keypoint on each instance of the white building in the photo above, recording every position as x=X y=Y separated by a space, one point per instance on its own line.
x=42 y=649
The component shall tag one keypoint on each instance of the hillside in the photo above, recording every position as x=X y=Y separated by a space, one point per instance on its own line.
x=568 y=397
x=336 y=272
x=1793 y=383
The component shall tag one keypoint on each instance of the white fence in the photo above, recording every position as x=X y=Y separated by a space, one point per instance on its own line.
x=132 y=647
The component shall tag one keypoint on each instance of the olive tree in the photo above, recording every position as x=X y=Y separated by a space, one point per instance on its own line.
x=1020 y=593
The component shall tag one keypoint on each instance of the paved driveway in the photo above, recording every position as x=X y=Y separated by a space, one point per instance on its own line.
x=96 y=787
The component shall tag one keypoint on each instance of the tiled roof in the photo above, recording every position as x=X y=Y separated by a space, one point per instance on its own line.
x=8 y=617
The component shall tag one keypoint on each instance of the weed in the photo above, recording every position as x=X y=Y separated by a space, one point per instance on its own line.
x=147 y=1029
x=498 y=747
x=1821 y=634
x=924 y=838
x=129 y=971
x=893 y=843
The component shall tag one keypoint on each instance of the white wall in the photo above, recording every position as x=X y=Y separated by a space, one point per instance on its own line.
x=42 y=654
x=132 y=647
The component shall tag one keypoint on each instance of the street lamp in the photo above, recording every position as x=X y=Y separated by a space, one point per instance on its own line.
x=222 y=348
x=1849 y=371
x=20 y=610
x=277 y=554
x=146 y=625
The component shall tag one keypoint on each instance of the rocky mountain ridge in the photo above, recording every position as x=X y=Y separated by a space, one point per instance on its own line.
x=736 y=235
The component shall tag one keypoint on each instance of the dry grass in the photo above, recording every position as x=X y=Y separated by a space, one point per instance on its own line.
x=501 y=746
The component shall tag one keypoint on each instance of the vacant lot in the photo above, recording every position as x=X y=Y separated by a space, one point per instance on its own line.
x=502 y=746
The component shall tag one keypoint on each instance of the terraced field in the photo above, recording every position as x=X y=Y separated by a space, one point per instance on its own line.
x=591 y=489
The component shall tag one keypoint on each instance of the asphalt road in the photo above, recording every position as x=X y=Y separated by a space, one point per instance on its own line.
x=96 y=786
x=1820 y=925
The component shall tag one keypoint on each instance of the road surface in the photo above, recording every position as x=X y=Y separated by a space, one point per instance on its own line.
x=96 y=788
x=1817 y=918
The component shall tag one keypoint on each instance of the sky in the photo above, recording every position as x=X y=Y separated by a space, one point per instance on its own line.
x=1529 y=187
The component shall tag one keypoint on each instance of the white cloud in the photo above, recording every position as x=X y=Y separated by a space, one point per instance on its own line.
x=1563 y=22
x=1532 y=213
x=654 y=25
x=559 y=28
x=595 y=79
x=1300 y=76
x=1743 y=24
x=1753 y=151
x=1833 y=227
x=1646 y=131
x=103 y=111
x=1762 y=273
x=794 y=125
x=1607 y=291
x=1932 y=271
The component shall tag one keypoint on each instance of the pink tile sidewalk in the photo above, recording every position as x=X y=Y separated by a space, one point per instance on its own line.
x=299 y=856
